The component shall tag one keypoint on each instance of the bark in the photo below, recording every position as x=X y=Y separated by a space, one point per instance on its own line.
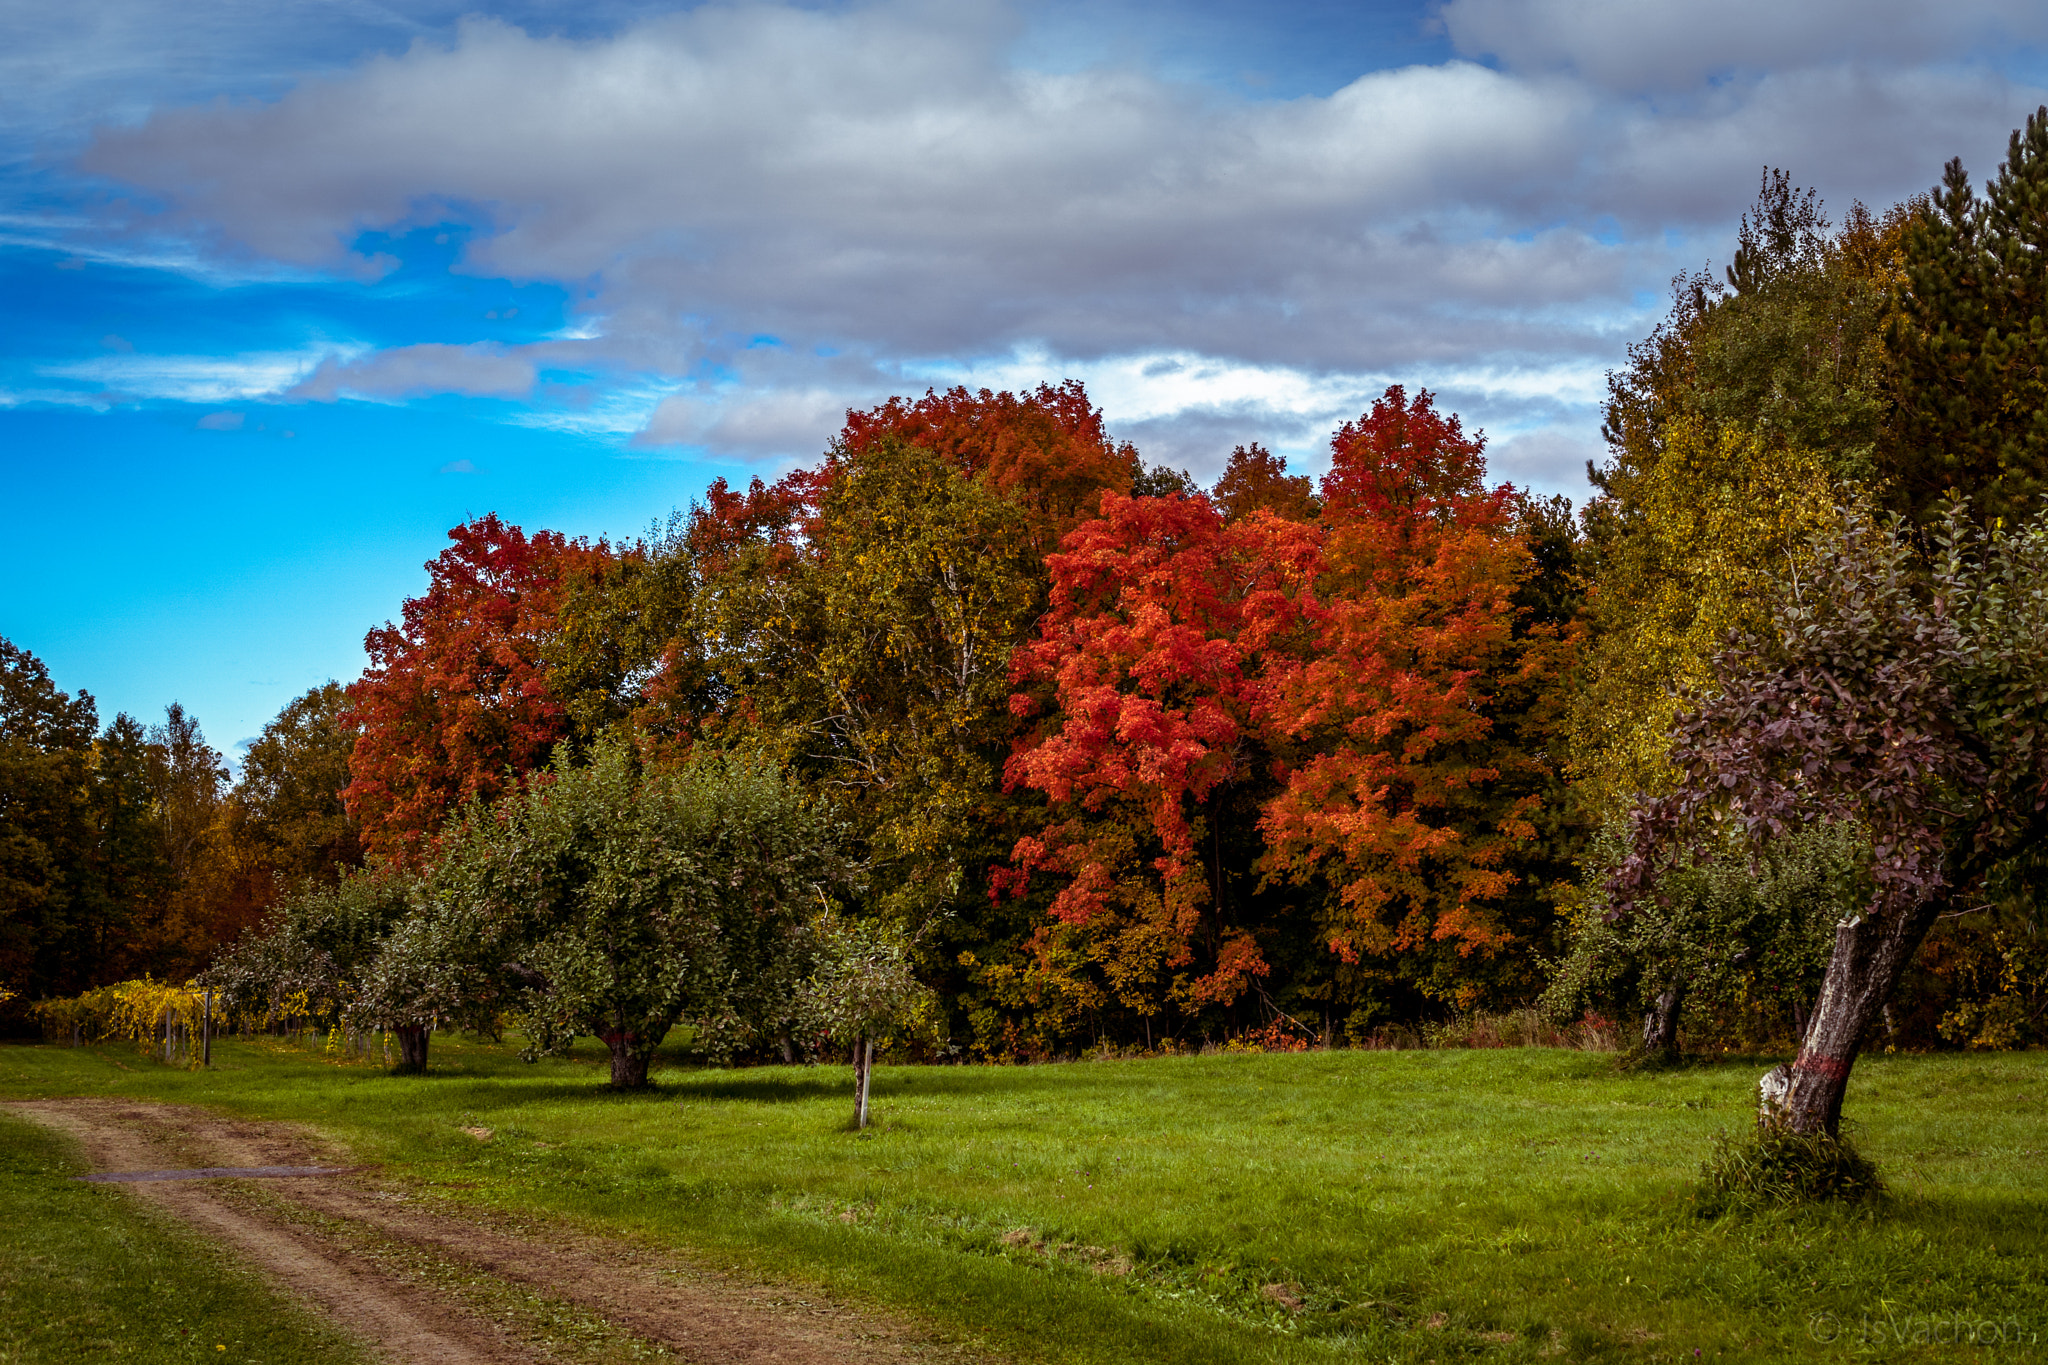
x=1868 y=958
x=630 y=1059
x=1660 y=1024
x=863 y=1067
x=412 y=1047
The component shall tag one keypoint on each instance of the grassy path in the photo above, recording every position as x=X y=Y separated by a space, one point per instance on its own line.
x=1510 y=1206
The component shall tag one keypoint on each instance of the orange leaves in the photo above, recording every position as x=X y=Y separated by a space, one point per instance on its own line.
x=1350 y=670
x=455 y=703
x=1046 y=451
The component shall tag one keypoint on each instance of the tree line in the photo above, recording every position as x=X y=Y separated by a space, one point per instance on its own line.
x=1100 y=756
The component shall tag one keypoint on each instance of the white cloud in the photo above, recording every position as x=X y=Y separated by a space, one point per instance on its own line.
x=220 y=421
x=204 y=379
x=878 y=186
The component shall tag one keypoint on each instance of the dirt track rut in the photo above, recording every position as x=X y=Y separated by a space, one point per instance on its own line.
x=352 y=1248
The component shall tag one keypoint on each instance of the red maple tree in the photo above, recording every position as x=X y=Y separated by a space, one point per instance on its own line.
x=1046 y=450
x=1364 y=659
x=455 y=704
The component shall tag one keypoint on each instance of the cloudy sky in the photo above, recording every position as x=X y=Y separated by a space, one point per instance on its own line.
x=290 y=286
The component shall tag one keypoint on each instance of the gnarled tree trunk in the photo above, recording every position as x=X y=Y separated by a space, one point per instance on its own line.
x=1660 y=1023
x=1870 y=953
x=412 y=1047
x=630 y=1059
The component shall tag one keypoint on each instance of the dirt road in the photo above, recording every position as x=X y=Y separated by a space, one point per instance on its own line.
x=450 y=1287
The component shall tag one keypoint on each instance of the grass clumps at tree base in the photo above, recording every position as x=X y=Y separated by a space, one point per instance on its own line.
x=1773 y=1166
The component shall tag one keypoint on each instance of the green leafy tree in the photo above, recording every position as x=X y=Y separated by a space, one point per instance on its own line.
x=1727 y=931
x=130 y=876
x=629 y=898
x=309 y=958
x=1733 y=432
x=46 y=830
x=289 y=794
x=441 y=966
x=862 y=993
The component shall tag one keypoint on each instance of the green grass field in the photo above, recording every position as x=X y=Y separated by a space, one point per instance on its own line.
x=1445 y=1205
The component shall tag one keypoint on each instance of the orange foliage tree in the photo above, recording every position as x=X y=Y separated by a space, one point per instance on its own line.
x=1046 y=451
x=455 y=705
x=1365 y=678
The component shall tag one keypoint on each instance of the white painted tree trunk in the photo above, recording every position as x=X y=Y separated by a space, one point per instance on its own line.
x=863 y=1067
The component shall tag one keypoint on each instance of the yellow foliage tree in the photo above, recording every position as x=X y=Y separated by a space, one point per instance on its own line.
x=1717 y=520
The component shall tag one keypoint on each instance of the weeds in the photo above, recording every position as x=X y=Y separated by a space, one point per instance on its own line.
x=1770 y=1166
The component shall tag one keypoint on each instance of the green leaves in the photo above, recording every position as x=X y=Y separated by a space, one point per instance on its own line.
x=624 y=898
x=863 y=986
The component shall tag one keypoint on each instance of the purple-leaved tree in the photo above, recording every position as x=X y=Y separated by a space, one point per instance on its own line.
x=1904 y=692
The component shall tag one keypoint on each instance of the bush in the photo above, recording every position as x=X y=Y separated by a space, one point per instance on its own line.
x=1772 y=1166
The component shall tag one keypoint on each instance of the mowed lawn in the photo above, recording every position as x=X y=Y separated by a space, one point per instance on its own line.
x=1444 y=1205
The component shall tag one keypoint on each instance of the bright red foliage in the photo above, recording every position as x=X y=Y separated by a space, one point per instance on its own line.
x=1364 y=654
x=455 y=703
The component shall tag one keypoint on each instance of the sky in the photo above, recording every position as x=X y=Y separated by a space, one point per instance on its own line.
x=290 y=287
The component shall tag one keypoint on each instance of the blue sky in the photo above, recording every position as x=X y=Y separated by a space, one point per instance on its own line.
x=292 y=286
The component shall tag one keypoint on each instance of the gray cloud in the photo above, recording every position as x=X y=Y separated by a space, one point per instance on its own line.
x=754 y=424
x=407 y=371
x=1675 y=44
x=1548 y=459
x=883 y=189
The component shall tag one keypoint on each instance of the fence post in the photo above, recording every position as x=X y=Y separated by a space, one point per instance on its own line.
x=206 y=1031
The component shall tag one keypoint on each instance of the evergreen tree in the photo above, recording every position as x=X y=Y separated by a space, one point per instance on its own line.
x=45 y=825
x=1969 y=340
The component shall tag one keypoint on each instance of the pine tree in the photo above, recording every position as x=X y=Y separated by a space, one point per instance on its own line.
x=1969 y=340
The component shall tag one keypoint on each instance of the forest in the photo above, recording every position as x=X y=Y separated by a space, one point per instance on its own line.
x=983 y=737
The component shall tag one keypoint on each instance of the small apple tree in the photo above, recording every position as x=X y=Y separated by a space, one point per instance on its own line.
x=862 y=992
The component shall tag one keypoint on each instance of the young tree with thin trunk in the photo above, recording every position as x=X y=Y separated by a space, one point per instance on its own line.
x=862 y=994
x=1906 y=696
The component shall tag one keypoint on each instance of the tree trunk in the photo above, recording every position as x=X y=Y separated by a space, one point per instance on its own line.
x=630 y=1059
x=1660 y=1024
x=863 y=1067
x=206 y=1033
x=412 y=1047
x=1869 y=956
